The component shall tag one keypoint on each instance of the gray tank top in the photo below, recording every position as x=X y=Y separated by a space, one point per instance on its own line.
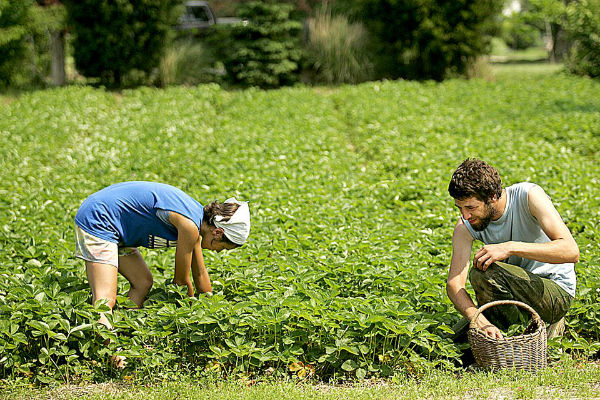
x=517 y=224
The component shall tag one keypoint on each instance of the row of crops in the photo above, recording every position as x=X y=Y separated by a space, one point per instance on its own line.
x=345 y=268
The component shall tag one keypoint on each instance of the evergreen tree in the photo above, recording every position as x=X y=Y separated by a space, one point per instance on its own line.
x=264 y=50
x=13 y=30
x=115 y=37
x=426 y=39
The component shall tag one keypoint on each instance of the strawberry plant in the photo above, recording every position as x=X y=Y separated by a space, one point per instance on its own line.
x=344 y=273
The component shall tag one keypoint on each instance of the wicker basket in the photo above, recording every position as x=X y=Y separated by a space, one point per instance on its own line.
x=527 y=351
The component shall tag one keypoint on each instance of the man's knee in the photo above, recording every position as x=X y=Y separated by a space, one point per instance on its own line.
x=485 y=283
x=478 y=278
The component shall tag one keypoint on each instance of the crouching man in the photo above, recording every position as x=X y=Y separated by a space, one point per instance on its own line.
x=528 y=253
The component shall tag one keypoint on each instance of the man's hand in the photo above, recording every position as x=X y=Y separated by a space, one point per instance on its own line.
x=489 y=254
x=489 y=328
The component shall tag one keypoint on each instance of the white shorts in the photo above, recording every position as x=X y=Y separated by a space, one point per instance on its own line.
x=91 y=248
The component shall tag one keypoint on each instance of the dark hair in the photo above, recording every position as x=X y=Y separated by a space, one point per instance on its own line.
x=226 y=210
x=475 y=178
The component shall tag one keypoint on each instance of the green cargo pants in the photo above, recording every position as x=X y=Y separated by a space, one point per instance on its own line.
x=503 y=281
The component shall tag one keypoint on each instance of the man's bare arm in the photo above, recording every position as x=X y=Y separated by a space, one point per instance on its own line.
x=561 y=248
x=462 y=243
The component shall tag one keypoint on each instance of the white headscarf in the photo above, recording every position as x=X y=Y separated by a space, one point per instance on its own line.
x=237 y=228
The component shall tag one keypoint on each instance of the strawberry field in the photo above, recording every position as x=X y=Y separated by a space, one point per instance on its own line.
x=344 y=272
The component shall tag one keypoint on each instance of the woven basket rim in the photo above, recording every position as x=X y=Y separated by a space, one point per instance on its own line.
x=525 y=351
x=481 y=335
x=534 y=315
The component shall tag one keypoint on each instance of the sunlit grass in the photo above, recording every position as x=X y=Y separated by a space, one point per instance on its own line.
x=518 y=71
x=567 y=380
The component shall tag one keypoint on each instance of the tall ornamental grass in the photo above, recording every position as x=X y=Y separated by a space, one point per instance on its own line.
x=187 y=62
x=336 y=49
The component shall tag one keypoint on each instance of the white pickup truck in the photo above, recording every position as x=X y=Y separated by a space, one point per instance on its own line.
x=199 y=15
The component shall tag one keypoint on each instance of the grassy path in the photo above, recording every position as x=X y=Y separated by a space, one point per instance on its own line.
x=563 y=380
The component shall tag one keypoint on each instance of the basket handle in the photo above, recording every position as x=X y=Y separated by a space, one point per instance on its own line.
x=534 y=315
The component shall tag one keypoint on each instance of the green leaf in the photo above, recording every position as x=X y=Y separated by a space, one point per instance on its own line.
x=349 y=365
x=39 y=325
x=361 y=373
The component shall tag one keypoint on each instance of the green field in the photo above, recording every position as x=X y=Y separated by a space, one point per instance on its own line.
x=343 y=275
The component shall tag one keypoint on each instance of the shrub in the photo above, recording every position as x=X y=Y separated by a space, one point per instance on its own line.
x=188 y=62
x=427 y=40
x=113 y=39
x=336 y=49
x=584 y=28
x=13 y=30
x=263 y=51
x=480 y=68
x=42 y=24
x=518 y=34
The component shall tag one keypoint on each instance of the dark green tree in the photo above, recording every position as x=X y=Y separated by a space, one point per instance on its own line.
x=426 y=39
x=13 y=30
x=584 y=29
x=550 y=17
x=518 y=34
x=264 y=50
x=116 y=37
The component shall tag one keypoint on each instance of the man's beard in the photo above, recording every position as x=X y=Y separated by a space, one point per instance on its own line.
x=485 y=220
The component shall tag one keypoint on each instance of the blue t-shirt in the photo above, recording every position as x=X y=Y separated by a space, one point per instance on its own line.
x=125 y=213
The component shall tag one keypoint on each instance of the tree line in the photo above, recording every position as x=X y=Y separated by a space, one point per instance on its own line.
x=116 y=41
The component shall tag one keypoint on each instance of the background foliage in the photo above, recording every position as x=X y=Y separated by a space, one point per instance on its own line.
x=336 y=49
x=426 y=39
x=584 y=28
x=129 y=42
x=13 y=20
x=189 y=62
x=114 y=38
x=25 y=41
x=345 y=269
x=518 y=34
x=263 y=51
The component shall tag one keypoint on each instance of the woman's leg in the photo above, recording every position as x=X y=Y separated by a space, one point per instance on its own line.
x=103 y=282
x=133 y=267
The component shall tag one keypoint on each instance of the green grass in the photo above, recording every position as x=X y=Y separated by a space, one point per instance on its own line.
x=351 y=240
x=509 y=64
x=568 y=380
x=517 y=71
x=501 y=53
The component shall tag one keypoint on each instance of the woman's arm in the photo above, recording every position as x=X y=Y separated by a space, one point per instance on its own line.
x=199 y=272
x=187 y=238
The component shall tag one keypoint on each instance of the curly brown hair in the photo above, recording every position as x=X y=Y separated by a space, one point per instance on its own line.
x=475 y=178
x=226 y=210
